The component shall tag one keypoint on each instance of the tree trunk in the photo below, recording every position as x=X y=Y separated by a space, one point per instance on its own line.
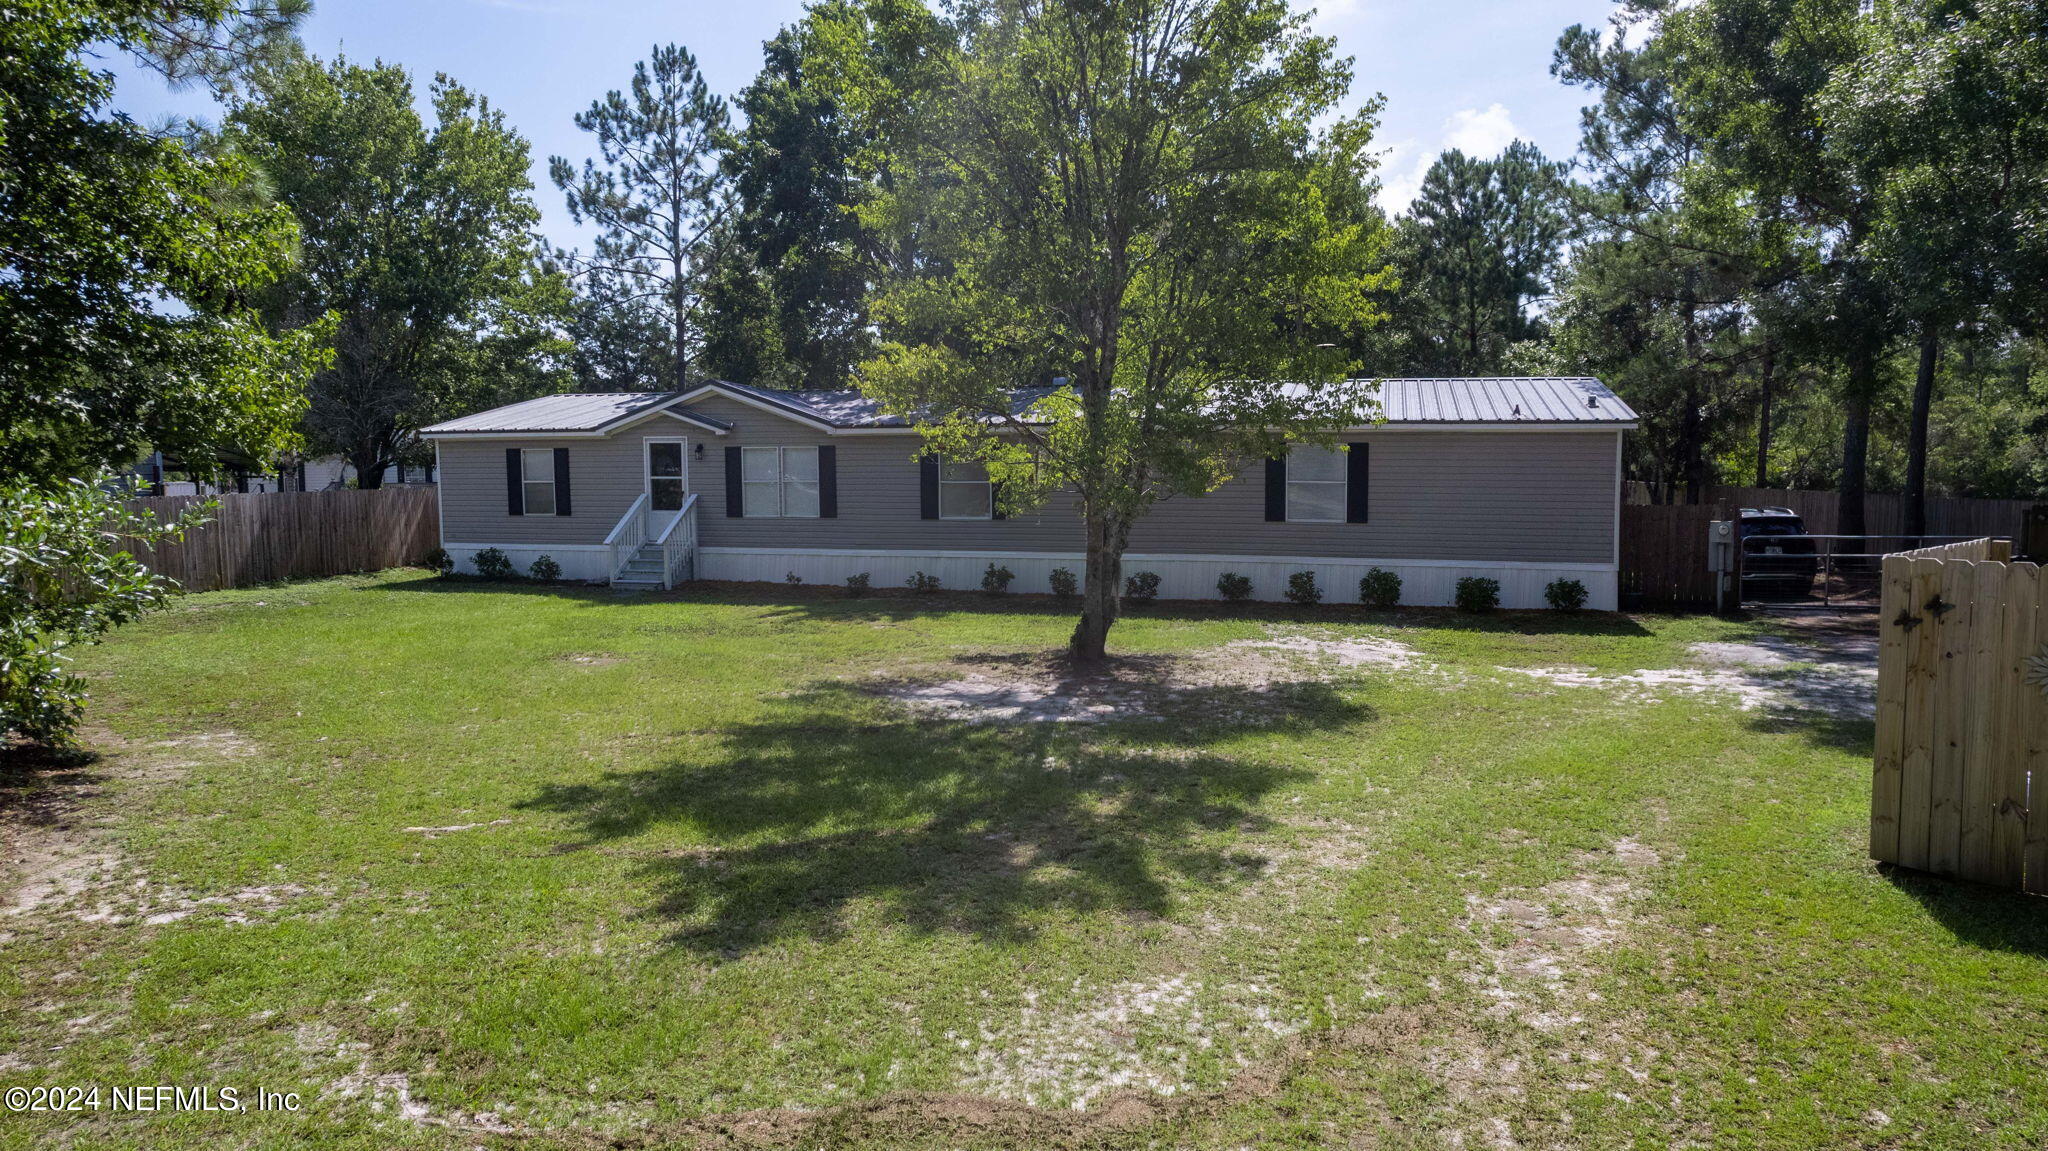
x=1102 y=589
x=682 y=335
x=369 y=465
x=1916 y=435
x=1855 y=446
x=1763 y=417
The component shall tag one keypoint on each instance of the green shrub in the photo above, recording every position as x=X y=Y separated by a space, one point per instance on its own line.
x=921 y=583
x=1478 y=593
x=1142 y=587
x=792 y=579
x=439 y=560
x=1234 y=587
x=1064 y=585
x=857 y=584
x=1380 y=588
x=996 y=581
x=545 y=569
x=1566 y=594
x=1302 y=589
x=491 y=563
x=65 y=581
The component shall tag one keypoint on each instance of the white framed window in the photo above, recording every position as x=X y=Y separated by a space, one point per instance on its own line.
x=964 y=491
x=1316 y=485
x=537 y=481
x=779 y=482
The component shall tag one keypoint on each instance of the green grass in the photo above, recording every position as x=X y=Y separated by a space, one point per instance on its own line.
x=722 y=894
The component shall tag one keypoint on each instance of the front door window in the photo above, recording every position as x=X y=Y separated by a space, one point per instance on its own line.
x=665 y=476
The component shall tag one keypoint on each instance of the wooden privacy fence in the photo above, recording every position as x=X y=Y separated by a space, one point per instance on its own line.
x=1962 y=723
x=293 y=535
x=1883 y=515
x=1664 y=554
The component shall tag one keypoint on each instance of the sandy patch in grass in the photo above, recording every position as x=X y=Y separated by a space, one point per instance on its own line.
x=1833 y=673
x=593 y=659
x=1139 y=1036
x=437 y=832
x=1351 y=651
x=1244 y=681
x=1534 y=957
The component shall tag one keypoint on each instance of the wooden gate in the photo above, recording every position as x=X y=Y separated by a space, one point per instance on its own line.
x=1962 y=721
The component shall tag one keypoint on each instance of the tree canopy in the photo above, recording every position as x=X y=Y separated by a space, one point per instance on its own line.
x=1131 y=197
x=129 y=258
x=415 y=237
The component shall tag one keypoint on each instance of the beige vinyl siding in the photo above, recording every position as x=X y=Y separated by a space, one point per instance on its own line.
x=1536 y=496
x=604 y=480
x=1546 y=497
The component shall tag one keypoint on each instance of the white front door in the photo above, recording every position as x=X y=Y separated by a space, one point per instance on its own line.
x=667 y=479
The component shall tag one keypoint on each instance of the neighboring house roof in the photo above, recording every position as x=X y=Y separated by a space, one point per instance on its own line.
x=571 y=412
x=1433 y=400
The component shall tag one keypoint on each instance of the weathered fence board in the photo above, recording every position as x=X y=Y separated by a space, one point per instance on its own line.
x=1884 y=514
x=1664 y=554
x=1961 y=733
x=261 y=537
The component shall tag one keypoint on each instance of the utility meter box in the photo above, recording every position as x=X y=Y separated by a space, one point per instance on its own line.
x=1721 y=546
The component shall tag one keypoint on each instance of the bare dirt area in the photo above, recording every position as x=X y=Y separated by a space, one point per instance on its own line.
x=1087 y=1045
x=1246 y=681
x=1534 y=957
x=1825 y=666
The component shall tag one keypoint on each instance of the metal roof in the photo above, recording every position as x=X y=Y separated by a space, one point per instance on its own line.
x=1502 y=400
x=1428 y=400
x=851 y=409
x=568 y=412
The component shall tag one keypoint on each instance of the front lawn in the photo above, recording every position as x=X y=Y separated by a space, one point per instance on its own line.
x=467 y=865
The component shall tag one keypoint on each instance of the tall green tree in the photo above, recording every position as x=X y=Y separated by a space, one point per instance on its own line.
x=1477 y=248
x=127 y=258
x=654 y=192
x=1129 y=194
x=1751 y=81
x=416 y=238
x=1948 y=104
x=1670 y=288
x=620 y=340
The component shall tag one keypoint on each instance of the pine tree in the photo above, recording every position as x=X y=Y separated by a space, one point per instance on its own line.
x=655 y=192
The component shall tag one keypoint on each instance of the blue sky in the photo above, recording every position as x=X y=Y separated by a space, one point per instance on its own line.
x=1465 y=73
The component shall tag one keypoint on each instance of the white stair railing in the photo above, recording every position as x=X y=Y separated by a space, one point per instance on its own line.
x=678 y=542
x=628 y=535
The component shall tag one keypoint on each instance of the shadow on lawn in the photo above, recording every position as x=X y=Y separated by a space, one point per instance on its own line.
x=948 y=827
x=890 y=605
x=1986 y=917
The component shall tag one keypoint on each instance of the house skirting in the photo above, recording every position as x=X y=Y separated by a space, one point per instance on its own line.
x=1424 y=583
x=579 y=561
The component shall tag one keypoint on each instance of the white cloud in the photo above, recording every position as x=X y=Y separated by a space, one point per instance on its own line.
x=1473 y=131
x=1480 y=133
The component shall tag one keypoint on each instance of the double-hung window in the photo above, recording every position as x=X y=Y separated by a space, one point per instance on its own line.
x=779 y=482
x=537 y=481
x=964 y=491
x=1316 y=485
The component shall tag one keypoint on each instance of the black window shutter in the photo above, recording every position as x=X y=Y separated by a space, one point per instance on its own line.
x=515 y=501
x=561 y=481
x=1276 y=489
x=828 y=481
x=995 y=496
x=735 y=504
x=1357 y=473
x=928 y=487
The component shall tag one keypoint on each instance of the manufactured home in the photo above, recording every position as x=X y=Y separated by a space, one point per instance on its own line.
x=1518 y=479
